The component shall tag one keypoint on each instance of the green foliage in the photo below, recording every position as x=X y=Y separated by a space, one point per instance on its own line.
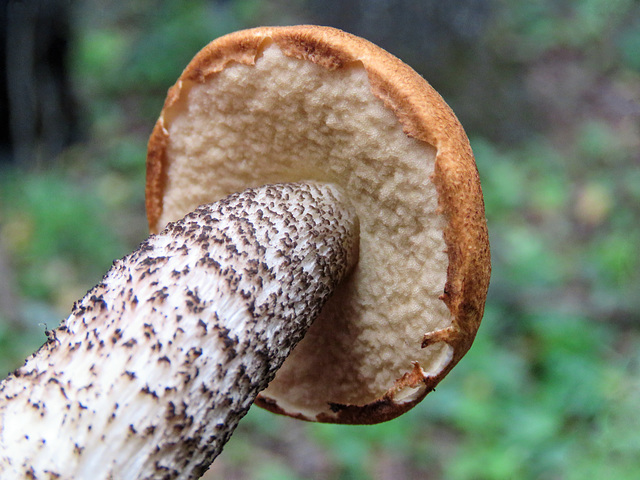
x=54 y=230
x=61 y=230
x=537 y=27
x=171 y=38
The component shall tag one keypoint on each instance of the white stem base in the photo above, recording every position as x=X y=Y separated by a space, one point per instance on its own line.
x=156 y=365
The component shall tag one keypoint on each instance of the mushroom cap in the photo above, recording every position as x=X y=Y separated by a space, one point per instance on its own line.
x=280 y=104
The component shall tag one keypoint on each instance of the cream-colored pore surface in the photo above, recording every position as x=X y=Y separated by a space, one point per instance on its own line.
x=286 y=119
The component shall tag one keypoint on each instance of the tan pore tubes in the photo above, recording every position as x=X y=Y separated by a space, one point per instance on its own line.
x=306 y=103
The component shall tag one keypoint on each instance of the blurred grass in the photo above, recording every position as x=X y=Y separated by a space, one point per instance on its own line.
x=550 y=388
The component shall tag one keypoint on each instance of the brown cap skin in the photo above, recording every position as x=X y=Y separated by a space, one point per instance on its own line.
x=425 y=117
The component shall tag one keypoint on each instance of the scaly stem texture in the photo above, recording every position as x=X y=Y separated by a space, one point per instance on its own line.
x=155 y=366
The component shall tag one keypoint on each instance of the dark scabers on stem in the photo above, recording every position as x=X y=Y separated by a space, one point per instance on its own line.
x=155 y=366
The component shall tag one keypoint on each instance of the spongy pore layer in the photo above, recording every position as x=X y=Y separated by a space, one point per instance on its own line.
x=285 y=119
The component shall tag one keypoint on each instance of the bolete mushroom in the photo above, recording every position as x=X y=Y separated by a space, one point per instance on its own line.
x=314 y=103
x=337 y=188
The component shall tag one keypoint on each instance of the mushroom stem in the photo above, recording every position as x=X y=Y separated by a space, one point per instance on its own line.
x=150 y=374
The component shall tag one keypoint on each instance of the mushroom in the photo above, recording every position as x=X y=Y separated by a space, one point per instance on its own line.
x=370 y=234
x=314 y=103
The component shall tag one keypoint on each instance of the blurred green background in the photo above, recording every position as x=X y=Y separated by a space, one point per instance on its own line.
x=549 y=93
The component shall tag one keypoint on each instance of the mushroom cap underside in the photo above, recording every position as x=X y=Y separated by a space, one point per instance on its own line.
x=307 y=103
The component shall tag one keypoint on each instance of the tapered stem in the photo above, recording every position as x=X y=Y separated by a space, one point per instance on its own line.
x=155 y=366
